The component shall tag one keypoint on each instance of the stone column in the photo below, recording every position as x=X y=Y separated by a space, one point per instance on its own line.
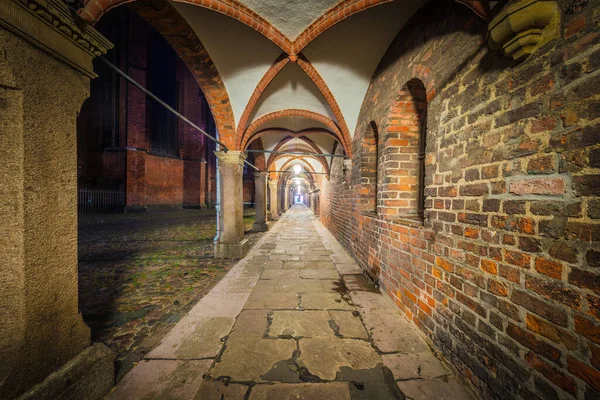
x=260 y=201
x=286 y=197
x=273 y=199
x=45 y=69
x=231 y=242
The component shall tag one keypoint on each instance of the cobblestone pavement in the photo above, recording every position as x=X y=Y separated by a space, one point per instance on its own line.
x=295 y=319
x=139 y=274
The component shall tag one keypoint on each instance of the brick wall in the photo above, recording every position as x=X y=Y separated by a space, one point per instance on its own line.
x=164 y=181
x=248 y=185
x=502 y=273
x=128 y=163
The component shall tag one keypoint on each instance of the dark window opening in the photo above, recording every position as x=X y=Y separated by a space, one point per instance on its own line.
x=375 y=185
x=162 y=82
x=102 y=109
x=422 y=142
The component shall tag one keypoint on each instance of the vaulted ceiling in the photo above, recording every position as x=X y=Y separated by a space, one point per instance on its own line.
x=295 y=72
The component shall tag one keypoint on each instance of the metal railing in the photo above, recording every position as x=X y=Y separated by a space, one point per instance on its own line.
x=100 y=201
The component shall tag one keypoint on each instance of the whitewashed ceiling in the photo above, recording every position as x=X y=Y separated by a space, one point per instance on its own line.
x=345 y=56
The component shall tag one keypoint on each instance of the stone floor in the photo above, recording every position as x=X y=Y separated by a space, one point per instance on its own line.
x=295 y=319
x=139 y=274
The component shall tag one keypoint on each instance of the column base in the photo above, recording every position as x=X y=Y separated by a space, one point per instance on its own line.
x=135 y=209
x=260 y=227
x=274 y=218
x=231 y=250
x=89 y=375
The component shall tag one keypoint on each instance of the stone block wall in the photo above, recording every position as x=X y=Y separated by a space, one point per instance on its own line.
x=501 y=273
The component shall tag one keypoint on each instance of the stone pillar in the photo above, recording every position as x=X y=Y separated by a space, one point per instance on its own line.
x=286 y=197
x=273 y=199
x=260 y=202
x=231 y=242
x=46 y=58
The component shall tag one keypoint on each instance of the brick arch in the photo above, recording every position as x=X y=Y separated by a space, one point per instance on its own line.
x=424 y=74
x=314 y=75
x=316 y=78
x=404 y=139
x=346 y=8
x=93 y=10
x=163 y=17
x=310 y=170
x=321 y=160
x=259 y=158
x=293 y=158
x=271 y=73
x=296 y=134
x=305 y=139
x=335 y=14
x=253 y=127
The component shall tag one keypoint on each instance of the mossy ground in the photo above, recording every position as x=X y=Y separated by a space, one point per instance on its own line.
x=141 y=273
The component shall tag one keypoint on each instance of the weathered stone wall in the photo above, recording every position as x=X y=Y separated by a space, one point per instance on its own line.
x=42 y=329
x=502 y=273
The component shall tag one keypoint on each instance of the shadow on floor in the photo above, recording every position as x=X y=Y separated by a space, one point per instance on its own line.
x=139 y=274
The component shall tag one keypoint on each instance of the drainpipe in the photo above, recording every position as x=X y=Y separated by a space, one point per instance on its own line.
x=218 y=199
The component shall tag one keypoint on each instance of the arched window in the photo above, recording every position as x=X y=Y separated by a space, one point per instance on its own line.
x=403 y=160
x=162 y=81
x=369 y=169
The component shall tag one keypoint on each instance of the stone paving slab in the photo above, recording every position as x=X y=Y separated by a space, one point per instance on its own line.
x=299 y=285
x=434 y=389
x=297 y=319
x=270 y=300
x=422 y=365
x=325 y=391
x=324 y=357
x=276 y=274
x=220 y=304
x=235 y=285
x=161 y=379
x=325 y=301
x=346 y=269
x=251 y=323
x=249 y=358
x=348 y=324
x=307 y=324
x=319 y=273
x=194 y=338
x=219 y=390
x=392 y=333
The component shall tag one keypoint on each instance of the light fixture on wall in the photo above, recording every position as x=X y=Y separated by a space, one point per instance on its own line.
x=297 y=169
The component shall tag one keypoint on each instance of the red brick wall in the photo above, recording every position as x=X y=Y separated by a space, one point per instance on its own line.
x=248 y=191
x=502 y=275
x=164 y=181
x=148 y=179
